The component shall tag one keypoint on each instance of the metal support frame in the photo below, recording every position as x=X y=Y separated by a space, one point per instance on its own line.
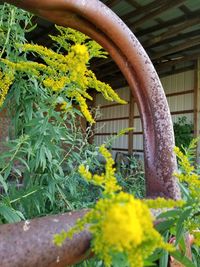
x=96 y=20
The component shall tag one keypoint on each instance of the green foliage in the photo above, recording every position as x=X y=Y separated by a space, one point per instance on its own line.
x=183 y=132
x=130 y=175
x=180 y=222
x=14 y=23
x=46 y=145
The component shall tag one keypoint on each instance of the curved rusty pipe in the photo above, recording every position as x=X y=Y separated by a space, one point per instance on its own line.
x=137 y=68
x=30 y=243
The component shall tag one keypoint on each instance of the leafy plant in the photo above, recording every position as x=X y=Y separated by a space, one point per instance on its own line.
x=180 y=222
x=130 y=174
x=183 y=132
x=46 y=104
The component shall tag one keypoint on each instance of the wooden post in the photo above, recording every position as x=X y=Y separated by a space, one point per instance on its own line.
x=197 y=106
x=130 y=124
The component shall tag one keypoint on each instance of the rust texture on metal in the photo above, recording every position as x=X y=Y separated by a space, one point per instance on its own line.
x=93 y=18
x=30 y=243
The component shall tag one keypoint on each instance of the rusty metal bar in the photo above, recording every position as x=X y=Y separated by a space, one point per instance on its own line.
x=30 y=243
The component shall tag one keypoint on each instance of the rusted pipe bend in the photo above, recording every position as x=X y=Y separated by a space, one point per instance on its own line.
x=30 y=243
x=160 y=162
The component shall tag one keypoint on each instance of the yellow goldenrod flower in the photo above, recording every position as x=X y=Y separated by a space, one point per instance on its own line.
x=56 y=85
x=81 y=50
x=120 y=224
x=187 y=174
x=83 y=107
x=159 y=203
x=106 y=180
x=85 y=173
x=6 y=79
x=128 y=232
x=67 y=74
x=104 y=88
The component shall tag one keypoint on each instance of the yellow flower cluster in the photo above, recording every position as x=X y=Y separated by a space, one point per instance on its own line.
x=64 y=106
x=106 y=180
x=55 y=85
x=81 y=50
x=163 y=203
x=32 y=68
x=124 y=131
x=125 y=225
x=188 y=175
x=5 y=81
x=104 y=88
x=119 y=223
x=67 y=75
x=192 y=179
x=83 y=106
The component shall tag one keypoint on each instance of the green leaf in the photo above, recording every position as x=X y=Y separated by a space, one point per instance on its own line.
x=169 y=214
x=180 y=224
x=4 y=184
x=165 y=225
x=163 y=261
x=119 y=260
x=149 y=264
x=24 y=162
x=182 y=259
x=10 y=215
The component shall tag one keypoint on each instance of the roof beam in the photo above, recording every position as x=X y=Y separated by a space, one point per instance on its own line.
x=166 y=6
x=175 y=71
x=177 y=61
x=173 y=32
x=112 y=3
x=181 y=19
x=133 y=3
x=142 y=9
x=190 y=43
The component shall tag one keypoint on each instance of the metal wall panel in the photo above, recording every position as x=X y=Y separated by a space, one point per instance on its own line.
x=183 y=81
x=113 y=126
x=110 y=126
x=176 y=83
x=138 y=142
x=136 y=111
x=181 y=102
x=124 y=93
x=137 y=125
x=115 y=112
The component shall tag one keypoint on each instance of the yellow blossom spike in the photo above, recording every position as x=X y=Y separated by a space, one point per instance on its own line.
x=5 y=82
x=163 y=203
